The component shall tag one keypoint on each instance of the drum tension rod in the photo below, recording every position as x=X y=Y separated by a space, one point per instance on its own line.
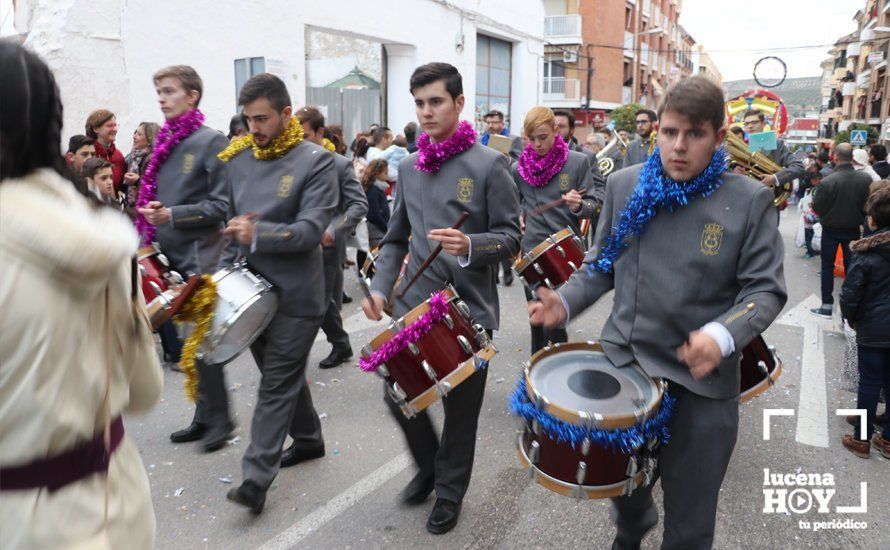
x=573 y=266
x=534 y=455
x=579 y=478
x=561 y=251
x=449 y=322
x=465 y=344
x=548 y=283
x=632 y=466
x=383 y=371
x=412 y=347
x=585 y=446
x=538 y=269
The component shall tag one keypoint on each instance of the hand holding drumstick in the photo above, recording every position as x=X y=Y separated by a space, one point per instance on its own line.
x=242 y=228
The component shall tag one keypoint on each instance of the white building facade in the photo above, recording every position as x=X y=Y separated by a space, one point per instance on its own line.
x=104 y=52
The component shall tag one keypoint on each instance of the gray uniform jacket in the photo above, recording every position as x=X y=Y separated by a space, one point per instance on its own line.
x=792 y=164
x=294 y=198
x=476 y=181
x=599 y=181
x=192 y=185
x=637 y=152
x=575 y=174
x=353 y=205
x=717 y=259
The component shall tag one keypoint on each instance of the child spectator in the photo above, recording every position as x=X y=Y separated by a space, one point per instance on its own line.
x=98 y=174
x=865 y=303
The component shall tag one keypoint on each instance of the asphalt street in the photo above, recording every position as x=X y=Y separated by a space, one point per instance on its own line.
x=350 y=498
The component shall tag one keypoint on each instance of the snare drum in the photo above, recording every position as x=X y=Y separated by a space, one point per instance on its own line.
x=552 y=262
x=430 y=367
x=569 y=396
x=245 y=305
x=164 y=290
x=760 y=368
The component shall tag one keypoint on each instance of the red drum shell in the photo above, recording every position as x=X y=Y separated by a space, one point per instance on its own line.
x=554 y=264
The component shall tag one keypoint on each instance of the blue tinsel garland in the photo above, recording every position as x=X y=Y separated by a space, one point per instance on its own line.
x=656 y=191
x=625 y=440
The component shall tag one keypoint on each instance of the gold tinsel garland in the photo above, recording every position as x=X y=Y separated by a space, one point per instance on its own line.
x=290 y=138
x=652 y=138
x=199 y=310
x=329 y=145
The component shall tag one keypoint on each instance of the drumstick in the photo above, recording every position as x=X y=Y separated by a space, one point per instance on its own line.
x=362 y=282
x=426 y=263
x=552 y=204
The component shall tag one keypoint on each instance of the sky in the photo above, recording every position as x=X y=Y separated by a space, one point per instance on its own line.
x=736 y=34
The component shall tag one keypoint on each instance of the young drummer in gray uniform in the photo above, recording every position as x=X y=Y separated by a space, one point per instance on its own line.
x=187 y=213
x=546 y=172
x=283 y=194
x=353 y=206
x=696 y=264
x=451 y=173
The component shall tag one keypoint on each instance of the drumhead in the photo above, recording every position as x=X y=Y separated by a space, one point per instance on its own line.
x=584 y=380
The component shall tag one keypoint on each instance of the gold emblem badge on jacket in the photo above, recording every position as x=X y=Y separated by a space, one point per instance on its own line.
x=284 y=186
x=188 y=163
x=564 y=182
x=465 y=189
x=711 y=238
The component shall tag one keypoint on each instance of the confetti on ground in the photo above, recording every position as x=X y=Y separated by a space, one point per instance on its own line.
x=323 y=415
x=234 y=440
x=227 y=480
x=179 y=492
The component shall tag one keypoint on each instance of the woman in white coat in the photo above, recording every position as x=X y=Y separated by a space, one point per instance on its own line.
x=75 y=343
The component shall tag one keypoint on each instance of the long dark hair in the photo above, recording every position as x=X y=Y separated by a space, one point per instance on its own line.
x=31 y=117
x=374 y=168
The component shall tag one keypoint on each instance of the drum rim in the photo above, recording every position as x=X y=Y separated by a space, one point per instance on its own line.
x=551 y=483
x=764 y=384
x=147 y=251
x=612 y=422
x=451 y=295
x=529 y=258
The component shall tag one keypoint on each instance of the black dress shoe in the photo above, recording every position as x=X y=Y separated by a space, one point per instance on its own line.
x=444 y=516
x=347 y=299
x=508 y=278
x=194 y=432
x=336 y=358
x=216 y=437
x=418 y=489
x=293 y=455
x=248 y=495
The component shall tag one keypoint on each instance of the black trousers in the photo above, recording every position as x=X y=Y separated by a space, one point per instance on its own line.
x=212 y=407
x=542 y=336
x=449 y=458
x=332 y=322
x=691 y=468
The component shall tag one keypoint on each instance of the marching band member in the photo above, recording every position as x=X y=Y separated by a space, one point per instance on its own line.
x=546 y=172
x=697 y=268
x=450 y=174
x=182 y=204
x=353 y=206
x=282 y=196
x=639 y=149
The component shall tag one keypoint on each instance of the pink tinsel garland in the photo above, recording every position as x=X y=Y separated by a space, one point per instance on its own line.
x=538 y=170
x=174 y=132
x=408 y=335
x=431 y=156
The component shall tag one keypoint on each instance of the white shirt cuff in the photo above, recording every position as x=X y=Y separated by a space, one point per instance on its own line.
x=253 y=242
x=464 y=261
x=722 y=336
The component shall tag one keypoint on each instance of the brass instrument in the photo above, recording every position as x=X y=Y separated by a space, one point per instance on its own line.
x=756 y=166
x=606 y=164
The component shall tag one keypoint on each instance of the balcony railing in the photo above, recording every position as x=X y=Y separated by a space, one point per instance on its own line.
x=564 y=29
x=558 y=88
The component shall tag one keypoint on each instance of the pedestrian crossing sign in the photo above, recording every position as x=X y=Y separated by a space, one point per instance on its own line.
x=858 y=137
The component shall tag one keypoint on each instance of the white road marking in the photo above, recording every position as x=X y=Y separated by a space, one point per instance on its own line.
x=291 y=536
x=357 y=322
x=812 y=409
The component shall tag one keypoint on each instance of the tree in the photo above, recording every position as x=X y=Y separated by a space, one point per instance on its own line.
x=624 y=117
x=844 y=135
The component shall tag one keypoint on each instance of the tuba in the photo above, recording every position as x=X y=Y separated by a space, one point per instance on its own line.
x=756 y=165
x=605 y=162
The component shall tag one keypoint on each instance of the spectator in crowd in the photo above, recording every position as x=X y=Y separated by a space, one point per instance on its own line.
x=861 y=164
x=865 y=303
x=381 y=139
x=792 y=165
x=101 y=125
x=877 y=155
x=360 y=155
x=137 y=161
x=394 y=155
x=808 y=216
x=80 y=149
x=70 y=476
x=97 y=174
x=839 y=201
x=411 y=137
x=237 y=127
x=624 y=135
x=339 y=143
x=737 y=130
x=374 y=183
